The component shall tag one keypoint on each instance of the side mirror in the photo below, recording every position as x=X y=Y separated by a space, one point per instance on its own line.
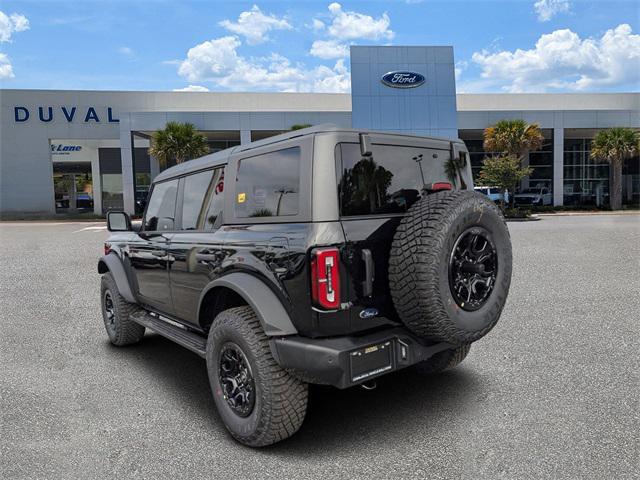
x=118 y=222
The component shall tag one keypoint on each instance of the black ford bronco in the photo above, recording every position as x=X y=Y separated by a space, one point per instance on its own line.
x=324 y=255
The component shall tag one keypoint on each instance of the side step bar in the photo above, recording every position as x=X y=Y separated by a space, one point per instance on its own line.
x=173 y=331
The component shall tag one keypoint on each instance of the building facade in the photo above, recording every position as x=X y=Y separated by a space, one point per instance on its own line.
x=86 y=151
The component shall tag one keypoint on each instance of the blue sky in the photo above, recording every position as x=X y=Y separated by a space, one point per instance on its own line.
x=500 y=46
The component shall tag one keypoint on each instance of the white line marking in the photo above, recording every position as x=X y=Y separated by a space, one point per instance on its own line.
x=99 y=227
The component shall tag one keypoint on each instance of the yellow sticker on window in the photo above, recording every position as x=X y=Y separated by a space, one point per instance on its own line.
x=242 y=197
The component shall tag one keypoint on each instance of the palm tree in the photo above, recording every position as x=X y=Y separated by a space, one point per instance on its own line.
x=179 y=142
x=614 y=146
x=515 y=138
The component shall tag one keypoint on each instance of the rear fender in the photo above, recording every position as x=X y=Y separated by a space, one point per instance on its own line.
x=273 y=316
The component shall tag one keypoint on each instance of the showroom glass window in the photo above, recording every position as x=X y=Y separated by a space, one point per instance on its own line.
x=586 y=181
x=215 y=201
x=195 y=187
x=541 y=161
x=268 y=185
x=389 y=181
x=161 y=210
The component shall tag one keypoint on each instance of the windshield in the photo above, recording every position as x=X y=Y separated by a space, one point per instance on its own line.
x=531 y=190
x=390 y=180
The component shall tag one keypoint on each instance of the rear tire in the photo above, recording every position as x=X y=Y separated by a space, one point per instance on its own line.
x=445 y=360
x=115 y=313
x=259 y=402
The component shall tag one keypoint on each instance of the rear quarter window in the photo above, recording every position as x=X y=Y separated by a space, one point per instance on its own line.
x=268 y=185
x=387 y=182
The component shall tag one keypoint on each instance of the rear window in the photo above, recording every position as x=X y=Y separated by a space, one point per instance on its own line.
x=389 y=181
x=268 y=185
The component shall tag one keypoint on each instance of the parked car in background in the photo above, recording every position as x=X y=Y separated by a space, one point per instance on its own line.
x=534 y=196
x=493 y=193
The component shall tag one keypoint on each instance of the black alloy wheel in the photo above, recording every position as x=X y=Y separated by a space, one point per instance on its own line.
x=110 y=311
x=236 y=380
x=473 y=268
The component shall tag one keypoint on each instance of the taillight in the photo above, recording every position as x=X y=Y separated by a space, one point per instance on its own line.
x=325 y=277
x=107 y=248
x=436 y=187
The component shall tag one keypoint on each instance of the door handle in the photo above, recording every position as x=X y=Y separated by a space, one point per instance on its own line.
x=367 y=285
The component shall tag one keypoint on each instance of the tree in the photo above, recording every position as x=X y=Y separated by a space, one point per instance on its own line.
x=615 y=145
x=504 y=172
x=514 y=138
x=179 y=142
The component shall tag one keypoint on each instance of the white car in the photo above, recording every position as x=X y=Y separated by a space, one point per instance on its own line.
x=494 y=193
x=534 y=196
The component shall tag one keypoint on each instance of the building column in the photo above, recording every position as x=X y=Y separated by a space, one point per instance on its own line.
x=96 y=184
x=245 y=136
x=558 y=166
x=154 y=167
x=126 y=159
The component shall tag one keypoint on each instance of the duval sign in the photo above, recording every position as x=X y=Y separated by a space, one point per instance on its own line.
x=69 y=114
x=402 y=79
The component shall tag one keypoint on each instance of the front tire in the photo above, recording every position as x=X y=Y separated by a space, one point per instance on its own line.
x=115 y=313
x=259 y=402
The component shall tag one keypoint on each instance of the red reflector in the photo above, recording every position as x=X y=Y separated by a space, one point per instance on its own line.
x=434 y=187
x=107 y=248
x=325 y=278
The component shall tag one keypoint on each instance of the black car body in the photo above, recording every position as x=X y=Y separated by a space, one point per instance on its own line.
x=299 y=227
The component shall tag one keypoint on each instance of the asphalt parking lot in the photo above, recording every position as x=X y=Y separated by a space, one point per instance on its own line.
x=552 y=392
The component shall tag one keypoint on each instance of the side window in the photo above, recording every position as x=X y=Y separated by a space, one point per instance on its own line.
x=161 y=210
x=195 y=190
x=213 y=215
x=268 y=185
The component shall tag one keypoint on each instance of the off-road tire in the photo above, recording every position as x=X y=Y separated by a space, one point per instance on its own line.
x=445 y=360
x=419 y=266
x=280 y=399
x=122 y=330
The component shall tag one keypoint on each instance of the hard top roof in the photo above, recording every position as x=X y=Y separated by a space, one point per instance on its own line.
x=221 y=157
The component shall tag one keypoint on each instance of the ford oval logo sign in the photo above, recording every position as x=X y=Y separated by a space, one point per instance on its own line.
x=402 y=79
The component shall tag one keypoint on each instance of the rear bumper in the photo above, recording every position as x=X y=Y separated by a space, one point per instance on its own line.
x=347 y=361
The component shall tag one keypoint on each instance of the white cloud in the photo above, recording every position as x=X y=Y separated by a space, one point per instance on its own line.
x=254 y=25
x=547 y=9
x=218 y=61
x=460 y=67
x=353 y=25
x=317 y=25
x=10 y=24
x=562 y=60
x=192 y=88
x=327 y=49
x=127 y=51
x=6 y=70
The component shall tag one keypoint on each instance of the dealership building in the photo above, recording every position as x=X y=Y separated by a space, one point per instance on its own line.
x=78 y=151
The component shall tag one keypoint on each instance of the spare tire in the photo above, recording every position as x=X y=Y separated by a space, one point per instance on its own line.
x=450 y=266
